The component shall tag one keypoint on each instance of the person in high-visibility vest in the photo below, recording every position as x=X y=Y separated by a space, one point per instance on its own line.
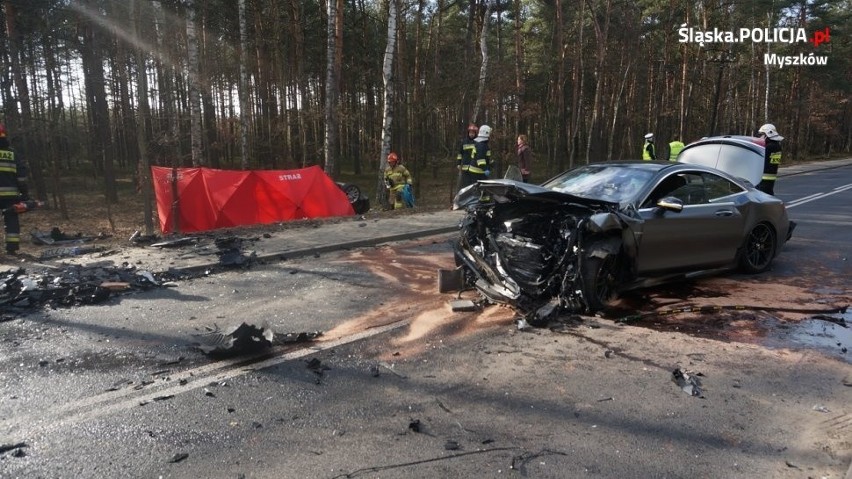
x=13 y=189
x=675 y=148
x=771 y=158
x=648 y=151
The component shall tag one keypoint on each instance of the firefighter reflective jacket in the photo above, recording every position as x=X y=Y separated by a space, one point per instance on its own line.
x=772 y=160
x=397 y=176
x=13 y=175
x=467 y=154
x=483 y=158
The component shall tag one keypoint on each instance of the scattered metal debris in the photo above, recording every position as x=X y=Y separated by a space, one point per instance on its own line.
x=523 y=325
x=71 y=285
x=821 y=408
x=240 y=340
x=57 y=237
x=688 y=381
x=175 y=243
x=461 y=305
x=68 y=251
x=178 y=457
x=138 y=238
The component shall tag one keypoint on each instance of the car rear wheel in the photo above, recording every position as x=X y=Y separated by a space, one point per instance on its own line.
x=353 y=193
x=599 y=281
x=758 y=249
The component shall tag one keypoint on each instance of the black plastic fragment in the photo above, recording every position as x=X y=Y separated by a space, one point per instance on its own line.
x=241 y=340
x=688 y=382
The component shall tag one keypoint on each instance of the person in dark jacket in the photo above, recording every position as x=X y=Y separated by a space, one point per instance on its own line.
x=13 y=189
x=525 y=157
x=771 y=158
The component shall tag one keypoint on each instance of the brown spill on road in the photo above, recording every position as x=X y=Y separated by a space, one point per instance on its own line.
x=410 y=273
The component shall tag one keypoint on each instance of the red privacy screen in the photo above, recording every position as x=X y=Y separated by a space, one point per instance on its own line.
x=208 y=199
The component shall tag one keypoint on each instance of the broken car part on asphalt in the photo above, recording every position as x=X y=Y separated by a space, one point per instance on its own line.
x=247 y=339
x=688 y=382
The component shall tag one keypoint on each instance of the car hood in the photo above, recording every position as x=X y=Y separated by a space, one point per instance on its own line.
x=506 y=191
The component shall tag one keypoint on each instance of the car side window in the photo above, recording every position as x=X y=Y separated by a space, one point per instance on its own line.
x=687 y=187
x=718 y=187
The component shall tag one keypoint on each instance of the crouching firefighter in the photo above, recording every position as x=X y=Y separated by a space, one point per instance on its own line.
x=13 y=189
x=397 y=177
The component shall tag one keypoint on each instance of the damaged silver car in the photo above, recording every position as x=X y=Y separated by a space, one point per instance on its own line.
x=576 y=241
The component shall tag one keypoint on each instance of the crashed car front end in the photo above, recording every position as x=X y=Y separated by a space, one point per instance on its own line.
x=528 y=247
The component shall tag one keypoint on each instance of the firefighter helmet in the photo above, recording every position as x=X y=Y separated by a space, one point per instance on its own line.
x=393 y=158
x=484 y=131
x=770 y=132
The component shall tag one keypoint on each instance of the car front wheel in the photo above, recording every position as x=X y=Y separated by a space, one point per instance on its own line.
x=599 y=281
x=758 y=249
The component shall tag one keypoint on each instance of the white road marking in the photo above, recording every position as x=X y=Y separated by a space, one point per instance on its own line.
x=817 y=196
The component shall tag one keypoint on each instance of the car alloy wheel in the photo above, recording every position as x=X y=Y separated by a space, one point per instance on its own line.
x=759 y=249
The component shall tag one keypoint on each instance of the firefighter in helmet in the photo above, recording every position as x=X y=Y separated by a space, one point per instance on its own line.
x=397 y=177
x=771 y=158
x=466 y=157
x=13 y=189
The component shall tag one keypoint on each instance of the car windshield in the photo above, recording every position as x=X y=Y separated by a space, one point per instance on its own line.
x=613 y=183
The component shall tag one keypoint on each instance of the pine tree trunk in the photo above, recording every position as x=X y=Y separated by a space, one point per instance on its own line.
x=194 y=94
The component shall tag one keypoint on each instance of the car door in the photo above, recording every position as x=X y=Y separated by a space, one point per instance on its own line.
x=705 y=234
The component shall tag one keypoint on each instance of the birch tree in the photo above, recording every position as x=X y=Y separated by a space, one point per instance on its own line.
x=387 y=117
x=331 y=88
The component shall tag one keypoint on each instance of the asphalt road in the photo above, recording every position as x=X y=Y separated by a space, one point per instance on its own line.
x=400 y=386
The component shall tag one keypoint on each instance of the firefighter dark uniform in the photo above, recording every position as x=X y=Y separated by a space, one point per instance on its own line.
x=481 y=167
x=771 y=158
x=648 y=152
x=482 y=160
x=467 y=157
x=13 y=189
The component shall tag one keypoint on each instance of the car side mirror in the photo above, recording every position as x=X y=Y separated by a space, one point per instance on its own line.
x=670 y=203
